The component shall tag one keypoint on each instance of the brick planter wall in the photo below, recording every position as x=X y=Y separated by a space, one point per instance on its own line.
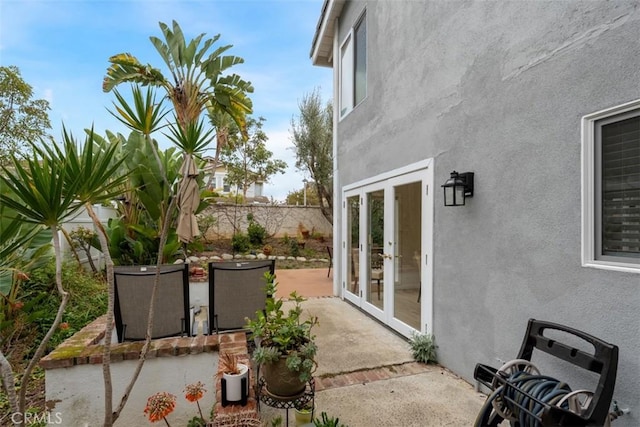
x=74 y=382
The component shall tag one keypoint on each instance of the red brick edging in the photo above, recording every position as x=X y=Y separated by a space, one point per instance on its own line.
x=85 y=347
x=368 y=375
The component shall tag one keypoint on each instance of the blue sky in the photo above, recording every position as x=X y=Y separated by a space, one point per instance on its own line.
x=62 y=50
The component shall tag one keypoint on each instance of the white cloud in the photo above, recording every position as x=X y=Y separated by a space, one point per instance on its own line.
x=280 y=185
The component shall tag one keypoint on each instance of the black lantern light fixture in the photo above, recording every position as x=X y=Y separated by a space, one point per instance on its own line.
x=458 y=188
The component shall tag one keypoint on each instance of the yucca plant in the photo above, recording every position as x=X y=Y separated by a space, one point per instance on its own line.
x=41 y=192
x=96 y=164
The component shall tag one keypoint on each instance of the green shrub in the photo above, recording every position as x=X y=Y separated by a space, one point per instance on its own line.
x=309 y=253
x=286 y=240
x=316 y=235
x=257 y=233
x=423 y=348
x=240 y=242
x=88 y=301
x=294 y=248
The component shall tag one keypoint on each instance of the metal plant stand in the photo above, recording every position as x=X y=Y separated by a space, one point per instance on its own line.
x=298 y=401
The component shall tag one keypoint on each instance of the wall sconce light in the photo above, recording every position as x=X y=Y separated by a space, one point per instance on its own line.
x=458 y=188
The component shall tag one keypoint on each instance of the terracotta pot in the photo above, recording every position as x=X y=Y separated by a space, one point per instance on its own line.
x=281 y=382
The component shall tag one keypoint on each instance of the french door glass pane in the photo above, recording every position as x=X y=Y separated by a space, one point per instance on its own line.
x=353 y=254
x=407 y=257
x=375 y=246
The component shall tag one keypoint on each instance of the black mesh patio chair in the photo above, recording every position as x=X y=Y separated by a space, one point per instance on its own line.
x=236 y=292
x=133 y=287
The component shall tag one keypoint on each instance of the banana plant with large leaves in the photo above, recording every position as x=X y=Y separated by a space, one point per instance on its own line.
x=197 y=78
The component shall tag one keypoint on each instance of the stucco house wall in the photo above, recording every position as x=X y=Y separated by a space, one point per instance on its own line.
x=499 y=89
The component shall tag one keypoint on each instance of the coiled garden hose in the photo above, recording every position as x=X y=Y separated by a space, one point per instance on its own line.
x=523 y=394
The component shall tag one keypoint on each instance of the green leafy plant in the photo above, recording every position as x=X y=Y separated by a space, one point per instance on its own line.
x=294 y=248
x=286 y=239
x=284 y=335
x=240 y=242
x=276 y=421
x=423 y=348
x=327 y=421
x=257 y=233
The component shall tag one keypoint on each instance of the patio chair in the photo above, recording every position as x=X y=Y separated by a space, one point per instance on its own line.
x=236 y=292
x=133 y=287
x=375 y=273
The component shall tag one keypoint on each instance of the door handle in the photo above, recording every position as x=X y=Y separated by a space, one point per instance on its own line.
x=386 y=256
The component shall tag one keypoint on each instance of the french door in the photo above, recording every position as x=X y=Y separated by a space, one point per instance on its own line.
x=387 y=249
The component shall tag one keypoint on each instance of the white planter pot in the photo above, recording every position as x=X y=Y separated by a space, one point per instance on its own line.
x=234 y=383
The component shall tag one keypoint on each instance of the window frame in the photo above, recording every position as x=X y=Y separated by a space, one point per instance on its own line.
x=347 y=68
x=346 y=75
x=590 y=188
x=361 y=23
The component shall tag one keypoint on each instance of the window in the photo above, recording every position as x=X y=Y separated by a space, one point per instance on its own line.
x=353 y=67
x=360 y=59
x=346 y=82
x=611 y=188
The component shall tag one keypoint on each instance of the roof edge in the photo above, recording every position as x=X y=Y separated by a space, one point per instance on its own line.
x=322 y=45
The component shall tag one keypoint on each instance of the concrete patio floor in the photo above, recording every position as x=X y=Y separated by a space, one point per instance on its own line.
x=366 y=375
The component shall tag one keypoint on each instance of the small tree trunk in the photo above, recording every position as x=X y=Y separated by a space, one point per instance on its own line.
x=108 y=331
x=6 y=372
x=43 y=344
x=147 y=343
x=70 y=242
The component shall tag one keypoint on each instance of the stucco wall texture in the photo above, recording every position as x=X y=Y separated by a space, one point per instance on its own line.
x=499 y=88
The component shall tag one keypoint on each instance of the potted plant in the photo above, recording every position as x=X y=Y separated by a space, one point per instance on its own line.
x=286 y=354
x=327 y=421
x=233 y=374
x=304 y=414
